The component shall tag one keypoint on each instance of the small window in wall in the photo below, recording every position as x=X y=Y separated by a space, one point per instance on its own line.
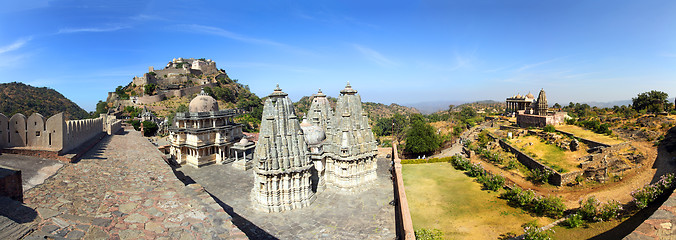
x=262 y=186
x=37 y=133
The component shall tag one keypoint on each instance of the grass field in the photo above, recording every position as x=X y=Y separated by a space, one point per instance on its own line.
x=584 y=133
x=446 y=199
x=549 y=154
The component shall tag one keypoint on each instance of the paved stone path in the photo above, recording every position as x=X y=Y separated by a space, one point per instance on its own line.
x=123 y=189
x=34 y=170
x=333 y=215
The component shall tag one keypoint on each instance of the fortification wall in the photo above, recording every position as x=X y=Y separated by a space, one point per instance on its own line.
x=80 y=131
x=33 y=132
x=168 y=71
x=150 y=99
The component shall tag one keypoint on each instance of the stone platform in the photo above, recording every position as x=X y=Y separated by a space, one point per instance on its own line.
x=123 y=189
x=364 y=215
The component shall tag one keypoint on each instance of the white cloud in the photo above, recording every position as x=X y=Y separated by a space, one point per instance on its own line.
x=228 y=34
x=375 y=56
x=15 y=45
x=216 y=31
x=94 y=29
x=529 y=66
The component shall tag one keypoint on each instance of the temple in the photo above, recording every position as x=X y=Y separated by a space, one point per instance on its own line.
x=536 y=114
x=351 y=148
x=330 y=149
x=518 y=102
x=207 y=135
x=282 y=166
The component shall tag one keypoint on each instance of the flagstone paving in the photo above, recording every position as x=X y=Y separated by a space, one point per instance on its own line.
x=123 y=189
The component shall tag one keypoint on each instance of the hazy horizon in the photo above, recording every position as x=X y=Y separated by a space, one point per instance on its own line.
x=391 y=51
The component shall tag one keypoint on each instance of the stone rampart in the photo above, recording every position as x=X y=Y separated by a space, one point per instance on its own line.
x=150 y=99
x=404 y=223
x=55 y=134
x=78 y=132
x=529 y=120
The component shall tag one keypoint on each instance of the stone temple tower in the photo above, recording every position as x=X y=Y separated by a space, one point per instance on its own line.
x=282 y=166
x=541 y=108
x=351 y=147
x=320 y=112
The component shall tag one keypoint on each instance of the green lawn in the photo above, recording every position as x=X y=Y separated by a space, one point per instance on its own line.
x=446 y=199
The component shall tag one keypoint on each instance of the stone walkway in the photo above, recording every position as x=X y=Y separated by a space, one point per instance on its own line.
x=123 y=189
x=333 y=215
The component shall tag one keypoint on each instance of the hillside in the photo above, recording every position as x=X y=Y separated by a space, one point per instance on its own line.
x=488 y=106
x=375 y=111
x=25 y=99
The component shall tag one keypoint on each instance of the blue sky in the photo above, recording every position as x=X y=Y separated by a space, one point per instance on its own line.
x=390 y=51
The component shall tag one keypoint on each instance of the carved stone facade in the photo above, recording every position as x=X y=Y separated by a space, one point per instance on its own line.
x=293 y=162
x=350 y=146
x=282 y=166
x=205 y=135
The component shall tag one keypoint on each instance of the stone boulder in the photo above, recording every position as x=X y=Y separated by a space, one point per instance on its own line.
x=574 y=145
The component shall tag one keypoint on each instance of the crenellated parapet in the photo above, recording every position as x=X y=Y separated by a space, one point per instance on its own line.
x=56 y=134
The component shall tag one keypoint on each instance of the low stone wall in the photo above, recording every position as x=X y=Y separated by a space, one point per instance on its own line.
x=556 y=179
x=10 y=184
x=150 y=99
x=589 y=143
x=403 y=219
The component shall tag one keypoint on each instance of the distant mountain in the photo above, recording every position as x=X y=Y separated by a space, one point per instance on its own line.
x=434 y=106
x=609 y=104
x=25 y=99
x=374 y=110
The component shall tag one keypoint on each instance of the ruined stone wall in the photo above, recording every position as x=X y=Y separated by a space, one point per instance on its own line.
x=556 y=179
x=528 y=120
x=589 y=143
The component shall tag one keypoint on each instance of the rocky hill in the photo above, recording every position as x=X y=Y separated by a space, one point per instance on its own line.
x=488 y=106
x=25 y=99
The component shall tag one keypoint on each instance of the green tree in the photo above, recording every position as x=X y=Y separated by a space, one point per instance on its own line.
x=182 y=108
x=653 y=102
x=149 y=128
x=101 y=107
x=421 y=137
x=148 y=89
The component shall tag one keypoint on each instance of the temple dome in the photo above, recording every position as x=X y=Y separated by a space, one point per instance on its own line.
x=203 y=103
x=313 y=134
x=243 y=142
x=530 y=95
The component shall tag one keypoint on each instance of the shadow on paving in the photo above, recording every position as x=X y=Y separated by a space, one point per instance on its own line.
x=16 y=211
x=251 y=230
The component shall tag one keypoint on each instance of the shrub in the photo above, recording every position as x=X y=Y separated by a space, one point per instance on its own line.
x=511 y=193
x=459 y=162
x=589 y=208
x=426 y=234
x=648 y=193
x=549 y=128
x=525 y=198
x=533 y=232
x=573 y=221
x=550 y=206
x=512 y=164
x=492 y=182
x=540 y=176
x=475 y=170
x=610 y=210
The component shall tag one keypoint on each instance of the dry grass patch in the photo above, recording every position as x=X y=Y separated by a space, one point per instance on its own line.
x=446 y=199
x=549 y=154
x=584 y=133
